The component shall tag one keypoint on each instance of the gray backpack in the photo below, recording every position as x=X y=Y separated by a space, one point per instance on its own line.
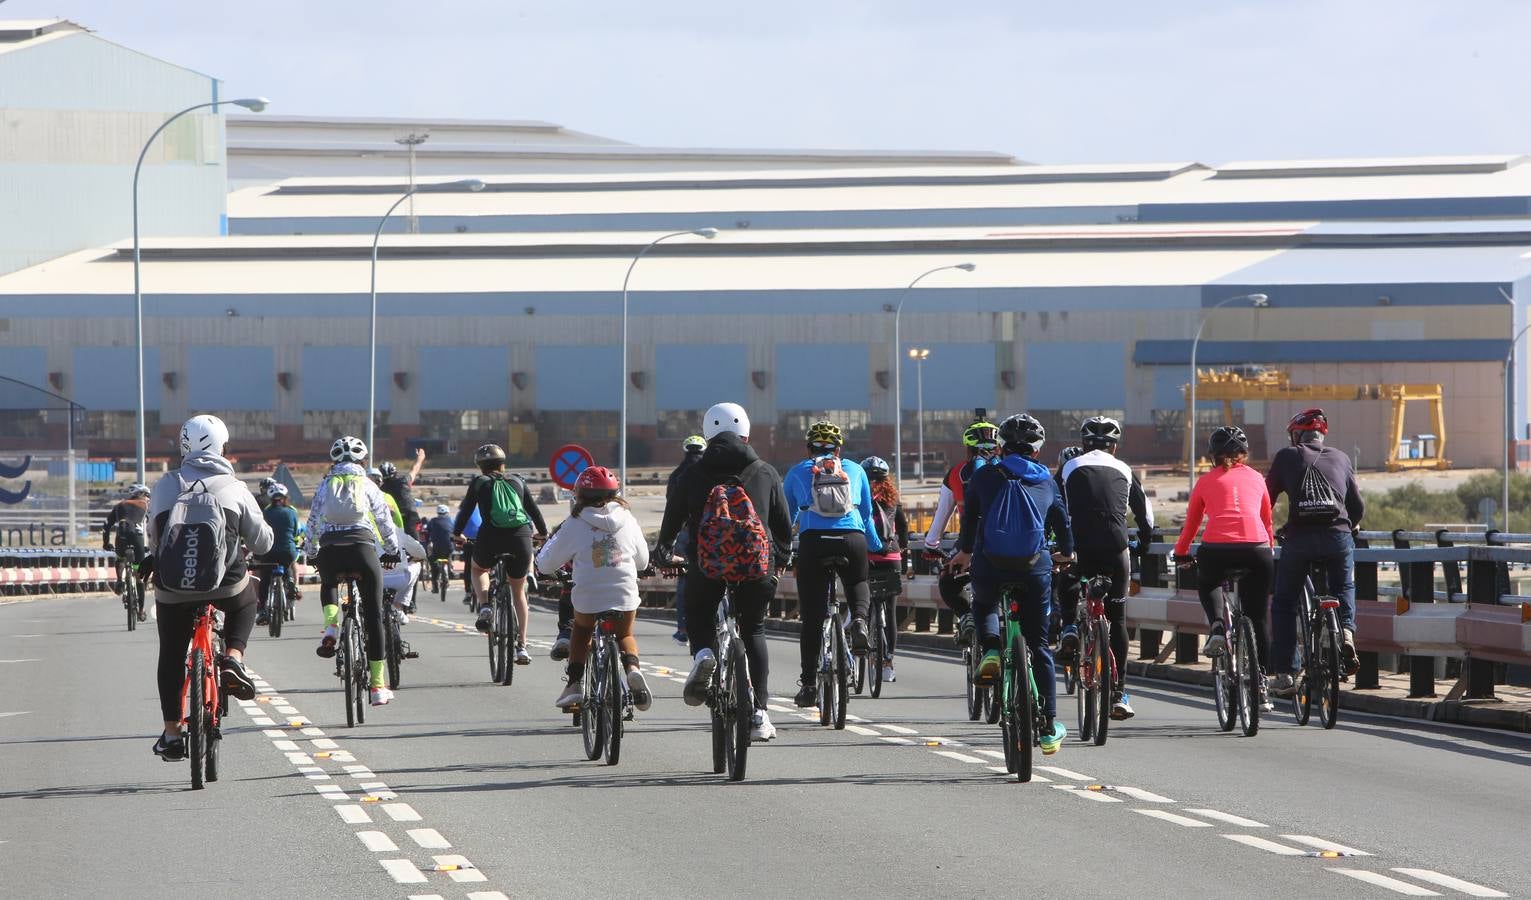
x=831 y=489
x=196 y=552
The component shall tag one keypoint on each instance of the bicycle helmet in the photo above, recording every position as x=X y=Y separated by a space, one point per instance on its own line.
x=598 y=479
x=441 y=509
x=1228 y=440
x=348 y=449
x=1069 y=453
x=1099 y=432
x=375 y=474
x=1022 y=433
x=138 y=490
x=267 y=482
x=981 y=436
x=276 y=489
x=204 y=434
x=694 y=444
x=723 y=417
x=388 y=469
x=825 y=435
x=488 y=453
x=1308 y=420
x=875 y=466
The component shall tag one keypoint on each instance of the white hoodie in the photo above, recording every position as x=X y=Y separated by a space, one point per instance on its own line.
x=608 y=551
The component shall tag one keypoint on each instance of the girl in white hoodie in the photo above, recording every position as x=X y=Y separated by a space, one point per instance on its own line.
x=608 y=550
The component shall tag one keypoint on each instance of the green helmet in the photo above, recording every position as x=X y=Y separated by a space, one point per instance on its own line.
x=694 y=442
x=981 y=436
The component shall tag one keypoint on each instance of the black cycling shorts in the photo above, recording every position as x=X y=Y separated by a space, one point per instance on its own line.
x=492 y=542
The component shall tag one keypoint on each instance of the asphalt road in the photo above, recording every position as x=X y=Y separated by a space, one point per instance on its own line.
x=464 y=789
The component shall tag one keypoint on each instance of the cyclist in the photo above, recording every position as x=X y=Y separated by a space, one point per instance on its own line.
x=729 y=455
x=126 y=521
x=203 y=439
x=399 y=487
x=693 y=447
x=438 y=537
x=1021 y=437
x=890 y=564
x=1324 y=508
x=507 y=520
x=348 y=524
x=396 y=515
x=1233 y=500
x=283 y=521
x=833 y=503
x=982 y=441
x=1100 y=490
x=604 y=542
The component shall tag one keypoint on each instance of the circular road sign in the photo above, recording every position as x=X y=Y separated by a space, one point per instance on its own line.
x=567 y=462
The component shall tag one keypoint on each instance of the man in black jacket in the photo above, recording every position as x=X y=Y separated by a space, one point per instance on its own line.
x=400 y=487
x=728 y=455
x=693 y=447
x=1324 y=507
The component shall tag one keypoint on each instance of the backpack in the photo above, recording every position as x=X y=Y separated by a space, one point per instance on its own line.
x=1316 y=502
x=346 y=500
x=1014 y=533
x=831 y=489
x=883 y=522
x=196 y=552
x=505 y=509
x=731 y=541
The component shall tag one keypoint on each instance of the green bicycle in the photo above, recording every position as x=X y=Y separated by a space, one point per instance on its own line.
x=1022 y=719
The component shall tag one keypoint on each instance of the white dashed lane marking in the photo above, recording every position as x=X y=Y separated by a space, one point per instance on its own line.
x=1228 y=818
x=404 y=871
x=1140 y=794
x=458 y=868
x=1383 y=881
x=1260 y=843
x=1185 y=821
x=377 y=841
x=353 y=815
x=401 y=812
x=895 y=729
x=1456 y=884
x=429 y=838
x=1064 y=773
x=959 y=757
x=1322 y=844
x=1097 y=796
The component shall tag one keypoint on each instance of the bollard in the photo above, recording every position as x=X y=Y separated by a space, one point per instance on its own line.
x=922 y=619
x=1483 y=590
x=1451 y=572
x=1151 y=639
x=1421 y=579
x=1367 y=677
x=1187 y=648
x=945 y=621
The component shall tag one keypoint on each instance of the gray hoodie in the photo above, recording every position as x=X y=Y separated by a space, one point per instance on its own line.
x=240 y=513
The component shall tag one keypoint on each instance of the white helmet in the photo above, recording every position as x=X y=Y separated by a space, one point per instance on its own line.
x=726 y=417
x=277 y=489
x=204 y=434
x=441 y=509
x=348 y=449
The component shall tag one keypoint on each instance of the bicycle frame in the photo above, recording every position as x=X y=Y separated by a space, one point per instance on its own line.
x=1092 y=611
x=1010 y=627
x=202 y=644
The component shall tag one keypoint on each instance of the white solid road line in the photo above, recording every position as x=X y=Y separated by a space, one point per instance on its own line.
x=1260 y=843
x=1456 y=884
x=1185 y=821
x=429 y=838
x=1392 y=884
x=1064 y=773
x=1226 y=817
x=377 y=841
x=403 y=871
x=1322 y=844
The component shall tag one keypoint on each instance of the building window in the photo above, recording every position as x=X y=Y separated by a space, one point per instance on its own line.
x=118 y=425
x=22 y=423
x=248 y=425
x=941 y=425
x=469 y=425
x=328 y=424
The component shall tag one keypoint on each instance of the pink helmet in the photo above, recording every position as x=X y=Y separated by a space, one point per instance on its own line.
x=597 y=478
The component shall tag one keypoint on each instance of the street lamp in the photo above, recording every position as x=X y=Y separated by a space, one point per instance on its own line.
x=919 y=355
x=466 y=184
x=1509 y=415
x=893 y=353
x=709 y=233
x=1259 y=301
x=253 y=104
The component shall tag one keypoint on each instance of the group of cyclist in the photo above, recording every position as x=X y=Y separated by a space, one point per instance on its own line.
x=846 y=518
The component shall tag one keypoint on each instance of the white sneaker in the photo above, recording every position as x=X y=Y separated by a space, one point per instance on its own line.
x=522 y=658
x=381 y=696
x=401 y=615
x=642 y=699
x=888 y=674
x=573 y=694
x=762 y=729
x=695 y=690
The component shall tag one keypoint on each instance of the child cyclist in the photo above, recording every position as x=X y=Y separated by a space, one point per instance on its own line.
x=608 y=550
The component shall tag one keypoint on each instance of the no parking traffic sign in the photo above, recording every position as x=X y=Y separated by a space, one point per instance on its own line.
x=567 y=462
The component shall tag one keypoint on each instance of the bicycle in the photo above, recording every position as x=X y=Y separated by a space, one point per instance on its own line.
x=279 y=608
x=441 y=576
x=203 y=702
x=396 y=649
x=504 y=626
x=1236 y=671
x=608 y=701
x=1022 y=720
x=1096 y=665
x=885 y=588
x=835 y=661
x=132 y=583
x=730 y=695
x=351 y=655
x=1318 y=642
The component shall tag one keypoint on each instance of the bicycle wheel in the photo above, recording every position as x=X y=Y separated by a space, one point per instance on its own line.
x=1303 y=684
x=394 y=652
x=741 y=709
x=196 y=724
x=615 y=707
x=1086 y=698
x=592 y=724
x=826 y=674
x=443 y=578
x=276 y=609
x=1248 y=668
x=876 y=652
x=1023 y=708
x=717 y=703
x=992 y=705
x=214 y=737
x=1223 y=689
x=1105 y=675
x=128 y=602
x=496 y=662
x=974 y=693
x=1327 y=681
x=842 y=680
x=347 y=669
x=512 y=640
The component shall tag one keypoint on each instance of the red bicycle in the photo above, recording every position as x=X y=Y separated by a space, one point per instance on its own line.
x=203 y=702
x=1097 y=664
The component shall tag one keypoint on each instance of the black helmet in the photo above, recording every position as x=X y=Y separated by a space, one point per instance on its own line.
x=1229 y=440
x=1100 y=431
x=1022 y=433
x=1069 y=453
x=388 y=469
x=488 y=453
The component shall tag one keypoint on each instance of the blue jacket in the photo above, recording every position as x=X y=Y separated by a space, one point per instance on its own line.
x=798 y=486
x=284 y=530
x=438 y=533
x=984 y=488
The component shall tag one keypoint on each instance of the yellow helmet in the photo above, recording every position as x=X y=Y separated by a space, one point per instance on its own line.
x=826 y=434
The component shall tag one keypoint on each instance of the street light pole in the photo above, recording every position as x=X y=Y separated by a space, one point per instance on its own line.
x=1259 y=301
x=919 y=355
x=466 y=184
x=1509 y=416
x=897 y=366
x=709 y=233
x=253 y=104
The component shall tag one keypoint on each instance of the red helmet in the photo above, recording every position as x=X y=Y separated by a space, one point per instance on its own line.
x=1309 y=420
x=596 y=478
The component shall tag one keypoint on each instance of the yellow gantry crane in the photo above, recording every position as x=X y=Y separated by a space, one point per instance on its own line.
x=1275 y=384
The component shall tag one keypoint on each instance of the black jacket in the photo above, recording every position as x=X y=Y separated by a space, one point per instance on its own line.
x=1286 y=474
x=692 y=457
x=480 y=493
x=399 y=489
x=1100 y=490
x=726 y=456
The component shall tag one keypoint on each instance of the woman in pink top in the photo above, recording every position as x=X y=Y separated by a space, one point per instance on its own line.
x=1233 y=499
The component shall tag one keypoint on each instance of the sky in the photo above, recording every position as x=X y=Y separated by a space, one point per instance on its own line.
x=1054 y=82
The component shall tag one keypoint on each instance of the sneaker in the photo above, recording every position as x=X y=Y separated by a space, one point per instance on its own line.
x=1349 y=661
x=1051 y=742
x=761 y=728
x=326 y=648
x=681 y=638
x=573 y=694
x=1265 y=698
x=144 y=617
x=482 y=624
x=401 y=615
x=235 y=679
x=1217 y=643
x=522 y=657
x=560 y=651
x=858 y=635
x=888 y=674
x=261 y=619
x=965 y=627
x=381 y=696
x=988 y=668
x=170 y=749
x=808 y=695
x=1283 y=685
x=1121 y=706
x=1068 y=641
x=695 y=691
x=642 y=699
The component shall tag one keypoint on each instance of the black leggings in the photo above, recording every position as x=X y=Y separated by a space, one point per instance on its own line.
x=813 y=581
x=1118 y=568
x=1212 y=560
x=175 y=625
x=951 y=593
x=751 y=600
x=360 y=560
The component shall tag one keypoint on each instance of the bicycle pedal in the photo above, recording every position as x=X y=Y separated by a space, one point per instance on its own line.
x=628 y=716
x=411 y=654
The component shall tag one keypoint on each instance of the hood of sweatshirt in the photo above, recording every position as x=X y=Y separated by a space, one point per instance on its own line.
x=608 y=518
x=728 y=453
x=204 y=465
x=1028 y=470
x=347 y=468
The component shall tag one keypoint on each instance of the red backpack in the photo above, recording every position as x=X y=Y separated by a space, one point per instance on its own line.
x=731 y=541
